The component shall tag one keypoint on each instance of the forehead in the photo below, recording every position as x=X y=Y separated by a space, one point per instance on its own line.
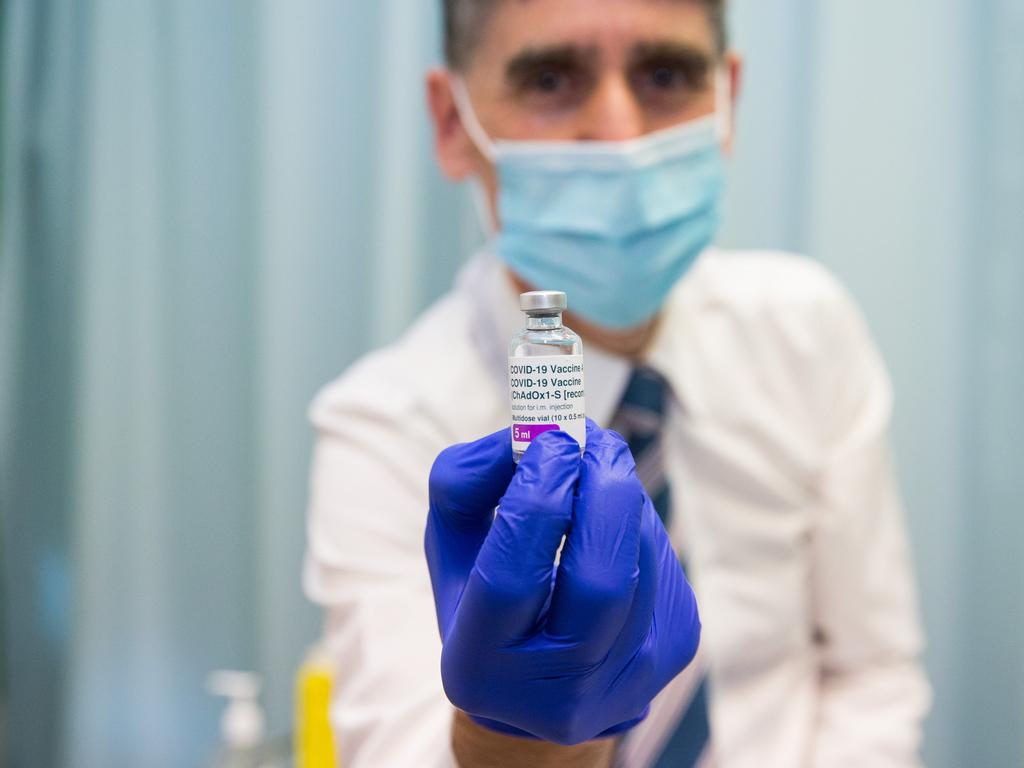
x=611 y=27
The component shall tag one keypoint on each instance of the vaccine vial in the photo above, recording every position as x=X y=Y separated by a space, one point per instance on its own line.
x=545 y=374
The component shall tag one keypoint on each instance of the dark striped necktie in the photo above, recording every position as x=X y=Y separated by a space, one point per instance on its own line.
x=639 y=419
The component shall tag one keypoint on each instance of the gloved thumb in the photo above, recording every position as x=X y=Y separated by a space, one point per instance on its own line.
x=466 y=483
x=512 y=579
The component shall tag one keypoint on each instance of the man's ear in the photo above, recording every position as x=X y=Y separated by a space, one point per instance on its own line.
x=454 y=150
x=734 y=67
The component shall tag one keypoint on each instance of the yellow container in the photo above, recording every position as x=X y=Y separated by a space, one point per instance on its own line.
x=314 y=739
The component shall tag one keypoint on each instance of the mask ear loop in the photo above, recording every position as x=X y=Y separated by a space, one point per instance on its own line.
x=723 y=104
x=467 y=115
x=482 y=206
x=483 y=143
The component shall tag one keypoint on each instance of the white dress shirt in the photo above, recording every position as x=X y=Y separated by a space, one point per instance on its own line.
x=784 y=506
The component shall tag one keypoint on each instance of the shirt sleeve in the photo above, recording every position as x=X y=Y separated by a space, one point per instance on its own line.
x=873 y=694
x=365 y=566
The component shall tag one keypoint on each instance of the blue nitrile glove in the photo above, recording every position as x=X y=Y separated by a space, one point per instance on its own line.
x=563 y=656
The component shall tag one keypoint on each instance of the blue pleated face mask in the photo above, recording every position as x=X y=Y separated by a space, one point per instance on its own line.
x=614 y=224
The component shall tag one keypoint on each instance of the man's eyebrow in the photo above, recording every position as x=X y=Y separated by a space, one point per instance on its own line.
x=529 y=60
x=686 y=53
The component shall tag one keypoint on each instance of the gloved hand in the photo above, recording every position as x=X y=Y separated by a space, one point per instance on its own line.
x=564 y=654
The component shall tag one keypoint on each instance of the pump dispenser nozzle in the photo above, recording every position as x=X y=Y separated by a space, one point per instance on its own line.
x=243 y=722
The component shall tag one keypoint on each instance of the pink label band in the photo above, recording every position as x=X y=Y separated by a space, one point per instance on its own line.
x=525 y=433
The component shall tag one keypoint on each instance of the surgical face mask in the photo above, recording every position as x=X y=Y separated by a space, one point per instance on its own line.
x=614 y=224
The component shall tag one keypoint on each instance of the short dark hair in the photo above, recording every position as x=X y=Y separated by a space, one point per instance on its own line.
x=464 y=21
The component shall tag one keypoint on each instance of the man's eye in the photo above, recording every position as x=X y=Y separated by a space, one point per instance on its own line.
x=549 y=85
x=665 y=77
x=549 y=81
x=670 y=77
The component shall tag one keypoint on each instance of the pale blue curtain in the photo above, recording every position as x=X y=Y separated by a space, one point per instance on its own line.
x=887 y=140
x=210 y=209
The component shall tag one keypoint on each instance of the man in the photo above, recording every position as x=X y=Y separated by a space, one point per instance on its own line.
x=744 y=383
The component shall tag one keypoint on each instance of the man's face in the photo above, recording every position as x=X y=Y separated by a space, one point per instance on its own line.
x=578 y=70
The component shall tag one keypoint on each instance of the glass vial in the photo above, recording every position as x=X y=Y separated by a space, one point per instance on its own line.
x=545 y=373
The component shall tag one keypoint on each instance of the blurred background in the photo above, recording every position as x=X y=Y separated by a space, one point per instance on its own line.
x=209 y=209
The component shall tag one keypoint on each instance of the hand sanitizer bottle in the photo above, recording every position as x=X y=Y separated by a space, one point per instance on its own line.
x=243 y=723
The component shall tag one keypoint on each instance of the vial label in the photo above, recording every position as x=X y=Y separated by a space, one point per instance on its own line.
x=547 y=395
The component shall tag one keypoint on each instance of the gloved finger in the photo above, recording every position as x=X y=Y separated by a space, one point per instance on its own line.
x=599 y=567
x=663 y=618
x=676 y=625
x=511 y=582
x=594 y=428
x=637 y=626
x=466 y=483
x=468 y=480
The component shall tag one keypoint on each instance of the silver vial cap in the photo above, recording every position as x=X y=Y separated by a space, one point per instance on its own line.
x=543 y=301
